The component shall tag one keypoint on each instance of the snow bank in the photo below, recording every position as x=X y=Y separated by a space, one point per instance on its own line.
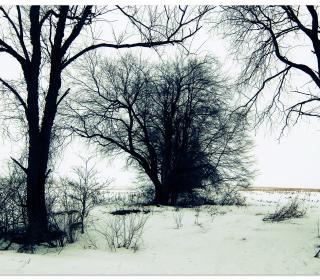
x=234 y=241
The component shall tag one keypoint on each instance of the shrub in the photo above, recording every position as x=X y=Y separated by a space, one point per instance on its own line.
x=177 y=217
x=145 y=195
x=229 y=196
x=222 y=196
x=192 y=199
x=76 y=198
x=13 y=214
x=196 y=216
x=67 y=222
x=291 y=210
x=124 y=231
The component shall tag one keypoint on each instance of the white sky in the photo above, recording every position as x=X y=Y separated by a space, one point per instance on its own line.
x=292 y=162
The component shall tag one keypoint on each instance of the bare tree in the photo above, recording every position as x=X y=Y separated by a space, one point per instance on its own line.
x=43 y=40
x=273 y=43
x=172 y=119
x=84 y=191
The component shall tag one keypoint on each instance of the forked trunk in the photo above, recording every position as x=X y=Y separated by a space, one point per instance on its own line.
x=38 y=157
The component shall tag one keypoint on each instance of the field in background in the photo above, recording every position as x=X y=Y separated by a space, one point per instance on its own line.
x=281 y=189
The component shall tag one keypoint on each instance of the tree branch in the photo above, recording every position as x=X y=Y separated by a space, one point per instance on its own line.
x=63 y=96
x=16 y=94
x=20 y=165
x=76 y=30
x=122 y=46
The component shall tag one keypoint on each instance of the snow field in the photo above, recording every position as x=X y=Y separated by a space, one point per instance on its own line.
x=234 y=241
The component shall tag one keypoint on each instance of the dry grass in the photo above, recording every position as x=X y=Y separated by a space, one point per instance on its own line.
x=292 y=210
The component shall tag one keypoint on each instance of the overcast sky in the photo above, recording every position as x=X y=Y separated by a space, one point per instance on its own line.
x=292 y=162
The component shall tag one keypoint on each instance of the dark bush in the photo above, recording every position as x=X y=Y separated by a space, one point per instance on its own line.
x=13 y=214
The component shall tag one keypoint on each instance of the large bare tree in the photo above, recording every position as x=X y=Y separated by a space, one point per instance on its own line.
x=45 y=40
x=277 y=46
x=172 y=119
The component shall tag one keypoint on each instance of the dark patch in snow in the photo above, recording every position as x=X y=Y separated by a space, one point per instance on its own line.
x=129 y=211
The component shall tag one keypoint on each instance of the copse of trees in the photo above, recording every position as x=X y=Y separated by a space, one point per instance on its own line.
x=44 y=41
x=174 y=120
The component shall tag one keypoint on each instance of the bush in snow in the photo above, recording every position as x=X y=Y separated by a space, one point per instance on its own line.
x=193 y=199
x=124 y=231
x=291 y=210
x=13 y=212
x=196 y=216
x=77 y=197
x=223 y=196
x=318 y=230
x=229 y=196
x=177 y=217
x=146 y=194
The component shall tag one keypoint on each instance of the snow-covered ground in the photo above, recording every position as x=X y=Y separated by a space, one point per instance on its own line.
x=233 y=241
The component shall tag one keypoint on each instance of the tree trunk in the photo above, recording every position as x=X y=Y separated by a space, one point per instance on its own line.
x=173 y=197
x=38 y=157
x=36 y=205
x=161 y=194
x=83 y=213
